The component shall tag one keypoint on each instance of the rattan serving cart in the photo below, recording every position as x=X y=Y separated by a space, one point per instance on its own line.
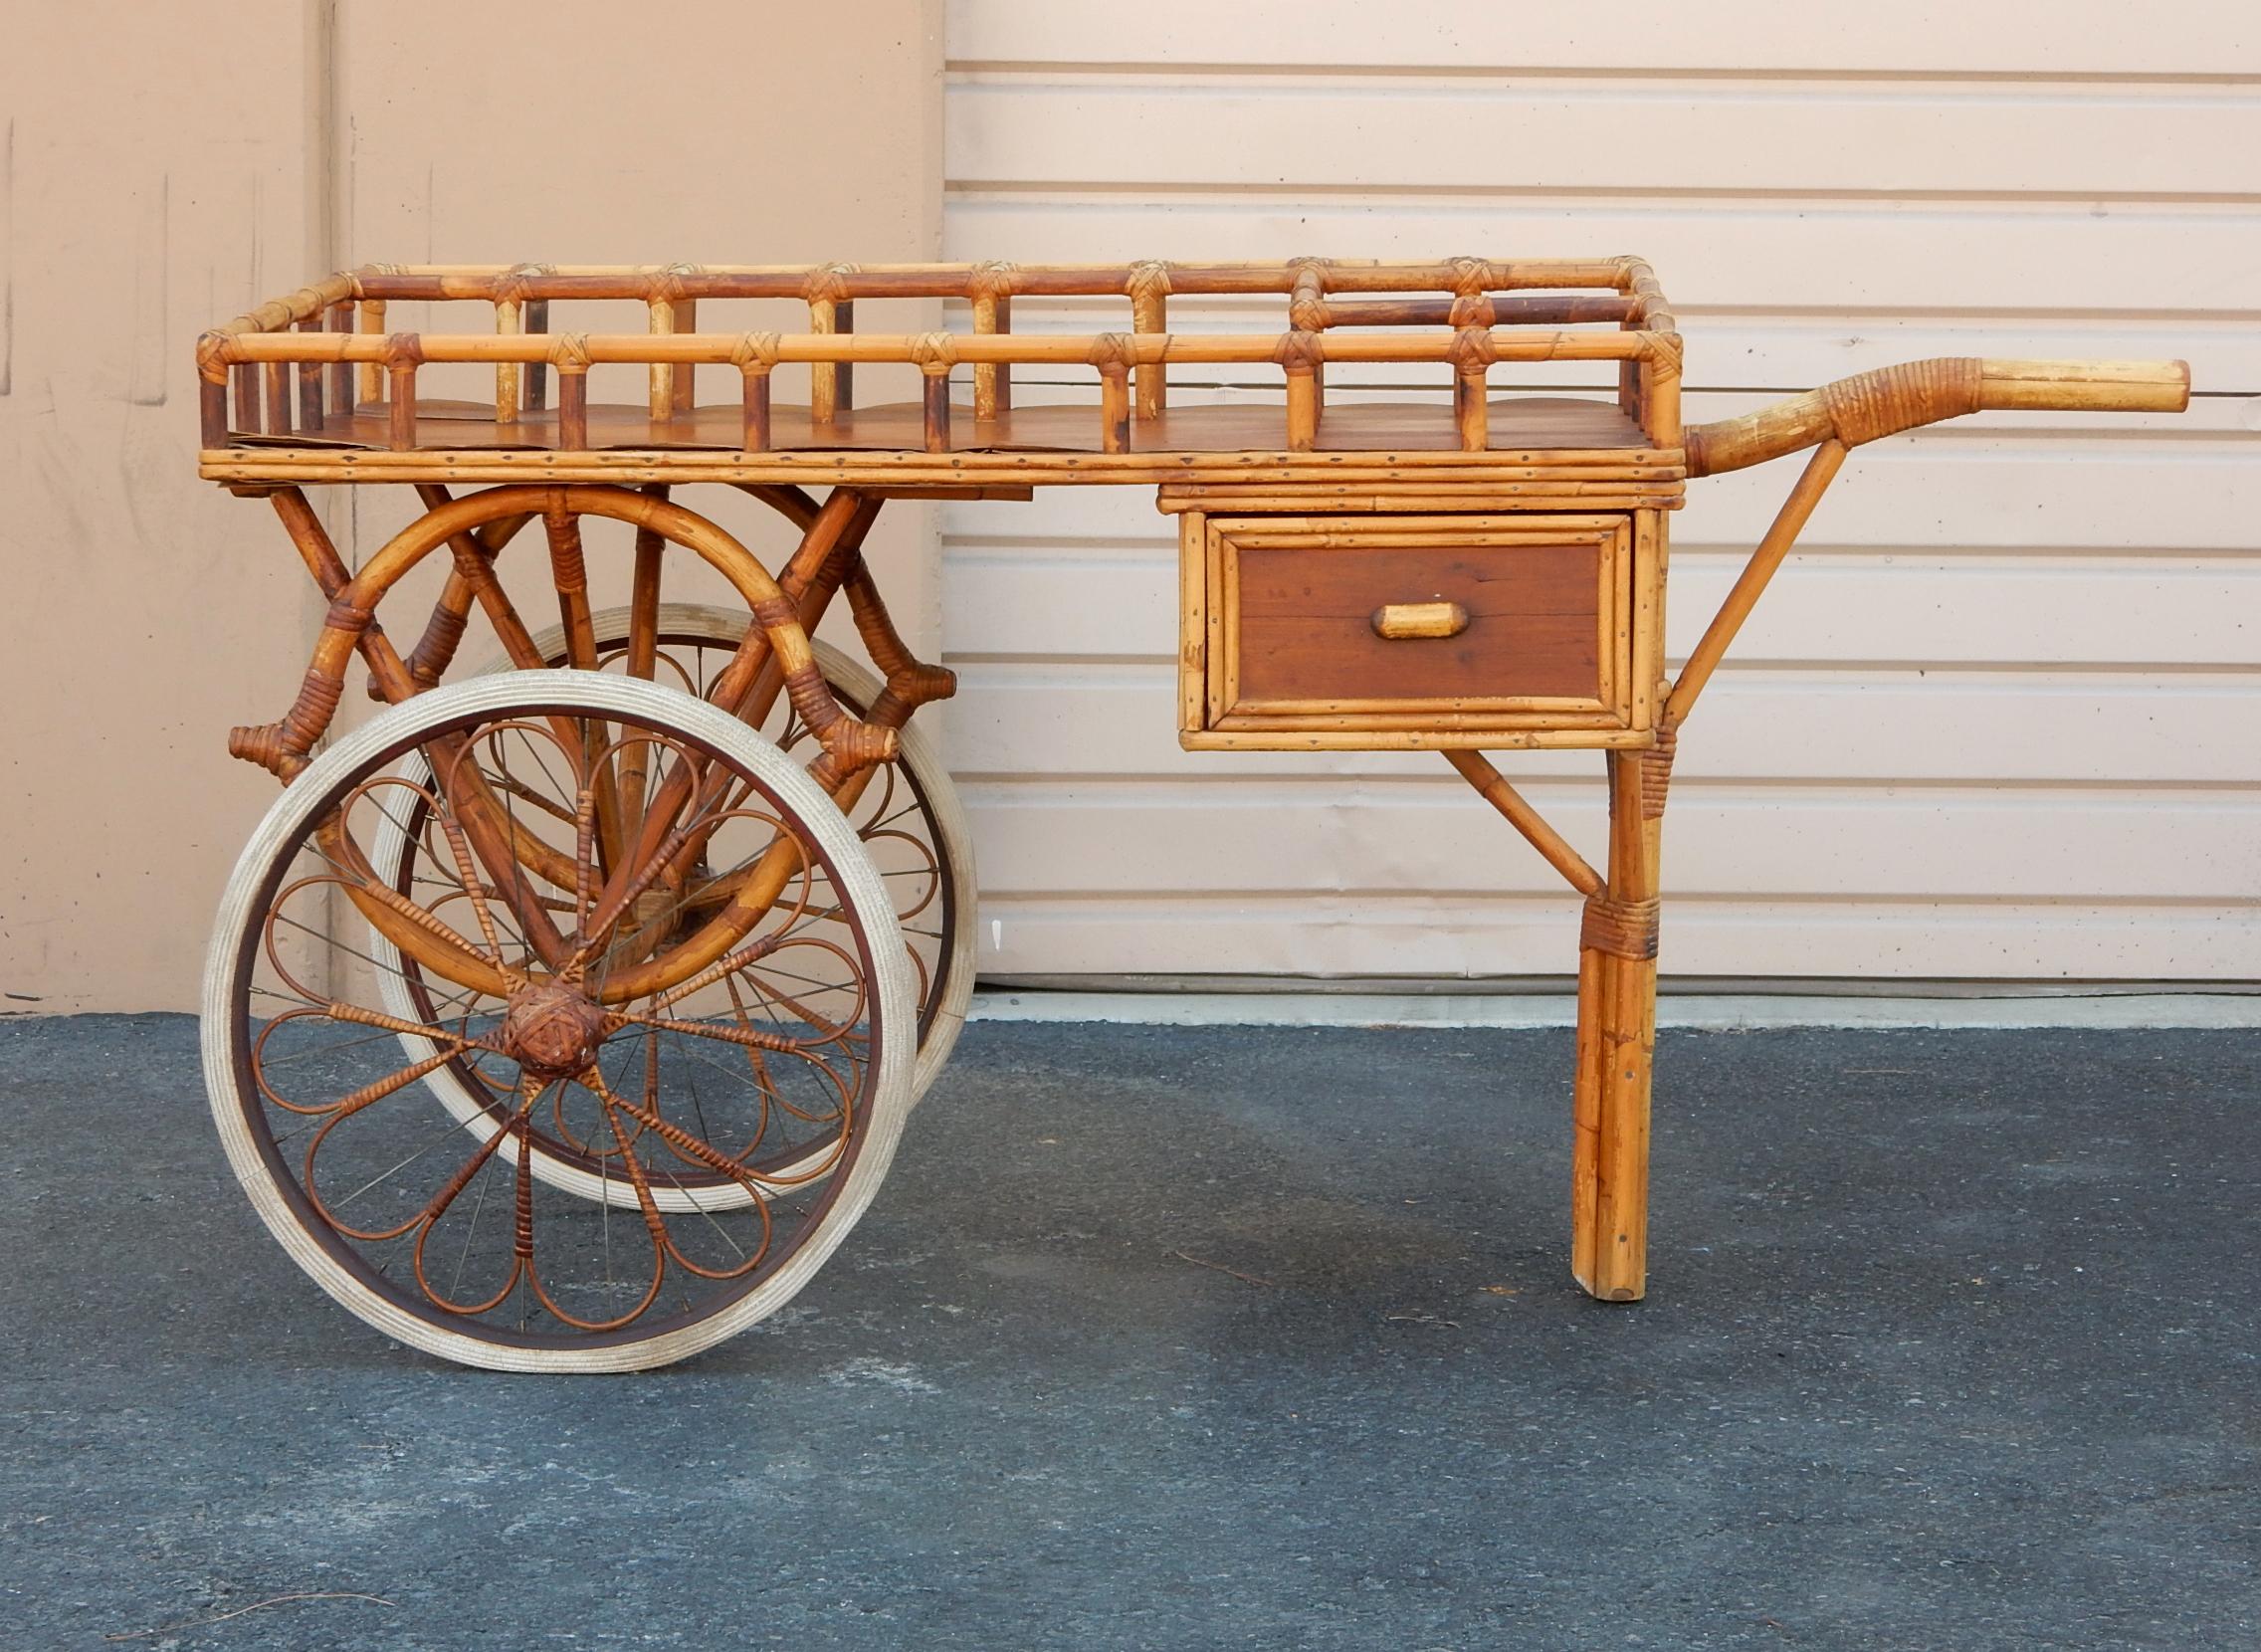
x=564 y=1015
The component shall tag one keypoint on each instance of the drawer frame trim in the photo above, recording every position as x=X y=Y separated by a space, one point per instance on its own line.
x=1213 y=716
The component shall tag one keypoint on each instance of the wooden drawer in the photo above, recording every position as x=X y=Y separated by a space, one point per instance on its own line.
x=1385 y=631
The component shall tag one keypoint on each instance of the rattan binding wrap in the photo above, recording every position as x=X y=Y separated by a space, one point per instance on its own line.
x=1656 y=771
x=1622 y=928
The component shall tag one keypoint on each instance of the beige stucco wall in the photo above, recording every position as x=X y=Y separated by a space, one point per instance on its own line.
x=167 y=167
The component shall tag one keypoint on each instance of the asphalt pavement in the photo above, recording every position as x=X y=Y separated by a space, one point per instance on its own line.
x=1164 y=1338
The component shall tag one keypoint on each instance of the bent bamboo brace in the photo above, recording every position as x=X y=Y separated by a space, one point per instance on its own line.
x=1619 y=941
x=851 y=746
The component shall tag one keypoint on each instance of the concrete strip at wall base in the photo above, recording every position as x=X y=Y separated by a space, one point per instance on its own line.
x=1693 y=1011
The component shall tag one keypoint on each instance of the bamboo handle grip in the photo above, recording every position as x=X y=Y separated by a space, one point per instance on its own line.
x=1892 y=399
x=1420 y=619
x=2085 y=386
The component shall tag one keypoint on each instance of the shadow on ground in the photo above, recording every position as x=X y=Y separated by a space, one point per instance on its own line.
x=1215 y=1339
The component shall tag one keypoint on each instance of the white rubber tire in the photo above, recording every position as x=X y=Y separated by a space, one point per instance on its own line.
x=892 y=1053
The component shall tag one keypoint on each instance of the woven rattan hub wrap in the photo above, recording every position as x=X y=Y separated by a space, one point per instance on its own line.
x=1622 y=928
x=552 y=1030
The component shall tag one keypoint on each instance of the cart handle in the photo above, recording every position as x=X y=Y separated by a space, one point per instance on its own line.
x=1892 y=399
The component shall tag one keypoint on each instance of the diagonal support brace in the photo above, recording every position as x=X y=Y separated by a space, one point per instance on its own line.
x=1781 y=533
x=1478 y=772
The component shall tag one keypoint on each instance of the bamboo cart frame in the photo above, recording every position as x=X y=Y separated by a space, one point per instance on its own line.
x=1571 y=496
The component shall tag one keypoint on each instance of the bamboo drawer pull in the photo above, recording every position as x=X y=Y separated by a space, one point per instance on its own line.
x=1420 y=619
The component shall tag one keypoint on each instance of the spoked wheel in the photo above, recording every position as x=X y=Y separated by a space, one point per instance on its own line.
x=908 y=818
x=741 y=1067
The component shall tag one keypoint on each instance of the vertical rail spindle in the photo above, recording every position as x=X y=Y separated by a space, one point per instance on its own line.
x=1149 y=290
x=992 y=295
x=341 y=372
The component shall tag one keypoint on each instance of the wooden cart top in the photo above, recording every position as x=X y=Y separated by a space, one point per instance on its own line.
x=314 y=387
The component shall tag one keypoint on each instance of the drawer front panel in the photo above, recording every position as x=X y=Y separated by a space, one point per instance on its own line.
x=1527 y=623
x=1411 y=630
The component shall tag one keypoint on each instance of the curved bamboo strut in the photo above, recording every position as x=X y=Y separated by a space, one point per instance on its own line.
x=353 y=605
x=786 y=643
x=716 y=548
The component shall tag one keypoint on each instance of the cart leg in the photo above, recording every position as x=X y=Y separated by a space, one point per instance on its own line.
x=1618 y=1018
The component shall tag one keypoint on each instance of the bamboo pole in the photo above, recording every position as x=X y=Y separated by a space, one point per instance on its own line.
x=1303 y=409
x=277 y=397
x=1531 y=311
x=992 y=295
x=831 y=384
x=960 y=280
x=372 y=328
x=244 y=388
x=1492 y=787
x=341 y=322
x=1149 y=289
x=509 y=318
x=573 y=409
x=1750 y=584
x=212 y=413
x=642 y=655
x=309 y=382
x=1114 y=408
x=662 y=395
x=935 y=387
x=403 y=355
x=1471 y=411
x=842 y=348
x=1610 y=1160
x=753 y=404
x=568 y=568
x=1658 y=377
x=684 y=388
x=537 y=395
x=992 y=380
x=1595 y=983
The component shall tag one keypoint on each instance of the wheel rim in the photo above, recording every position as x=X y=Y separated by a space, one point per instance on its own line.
x=447 y=1230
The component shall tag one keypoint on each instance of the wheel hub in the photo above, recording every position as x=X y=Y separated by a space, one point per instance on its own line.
x=552 y=1030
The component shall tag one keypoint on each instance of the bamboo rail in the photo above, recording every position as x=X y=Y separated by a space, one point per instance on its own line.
x=1480 y=311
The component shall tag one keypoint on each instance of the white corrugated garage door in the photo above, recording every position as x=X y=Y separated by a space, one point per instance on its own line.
x=1999 y=718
